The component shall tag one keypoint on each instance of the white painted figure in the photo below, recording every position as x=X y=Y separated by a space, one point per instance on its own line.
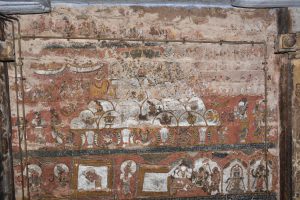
x=128 y=168
x=127 y=137
x=164 y=135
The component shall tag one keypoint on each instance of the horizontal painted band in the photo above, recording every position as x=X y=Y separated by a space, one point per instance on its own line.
x=145 y=150
x=249 y=196
x=246 y=196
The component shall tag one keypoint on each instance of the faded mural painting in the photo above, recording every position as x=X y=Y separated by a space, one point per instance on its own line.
x=134 y=119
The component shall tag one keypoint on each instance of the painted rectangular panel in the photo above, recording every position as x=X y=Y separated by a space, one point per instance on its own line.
x=145 y=118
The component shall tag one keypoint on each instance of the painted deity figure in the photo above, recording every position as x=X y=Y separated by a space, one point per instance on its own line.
x=61 y=172
x=201 y=179
x=236 y=180
x=260 y=175
x=128 y=168
x=215 y=181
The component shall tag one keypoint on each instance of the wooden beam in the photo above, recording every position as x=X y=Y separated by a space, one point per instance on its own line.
x=25 y=7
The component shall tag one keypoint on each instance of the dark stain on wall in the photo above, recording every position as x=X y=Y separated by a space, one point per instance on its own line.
x=283 y=20
x=286 y=88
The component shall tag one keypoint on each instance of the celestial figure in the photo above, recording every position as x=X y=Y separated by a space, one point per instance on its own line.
x=128 y=168
x=236 y=180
